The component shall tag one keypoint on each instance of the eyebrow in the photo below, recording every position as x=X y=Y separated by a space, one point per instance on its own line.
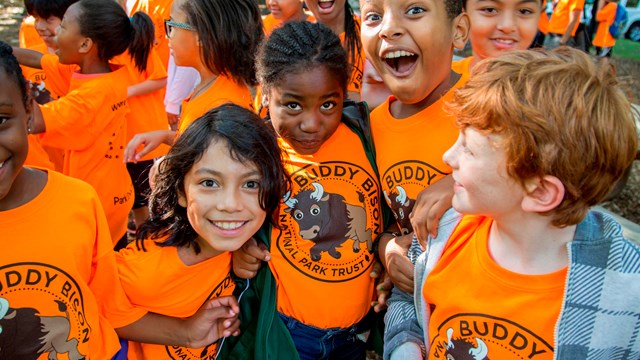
x=300 y=97
x=208 y=171
x=519 y=2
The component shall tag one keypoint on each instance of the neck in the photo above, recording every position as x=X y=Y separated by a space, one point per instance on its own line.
x=299 y=16
x=189 y=256
x=528 y=243
x=337 y=24
x=94 y=66
x=206 y=79
x=401 y=110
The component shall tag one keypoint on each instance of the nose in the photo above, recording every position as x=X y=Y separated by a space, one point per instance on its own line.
x=311 y=123
x=507 y=22
x=450 y=156
x=389 y=28
x=229 y=200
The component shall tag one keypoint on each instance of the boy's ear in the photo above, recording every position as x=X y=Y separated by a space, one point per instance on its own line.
x=542 y=194
x=461 y=30
x=85 y=46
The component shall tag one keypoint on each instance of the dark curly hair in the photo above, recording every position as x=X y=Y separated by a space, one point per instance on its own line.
x=248 y=140
x=9 y=64
x=298 y=46
x=230 y=32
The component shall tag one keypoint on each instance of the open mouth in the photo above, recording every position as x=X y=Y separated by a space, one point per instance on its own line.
x=2 y=164
x=325 y=4
x=401 y=62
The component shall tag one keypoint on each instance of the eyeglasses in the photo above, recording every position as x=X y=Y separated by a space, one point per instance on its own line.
x=169 y=25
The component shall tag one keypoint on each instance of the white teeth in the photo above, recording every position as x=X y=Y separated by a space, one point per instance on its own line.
x=229 y=225
x=505 y=41
x=397 y=54
x=1 y=164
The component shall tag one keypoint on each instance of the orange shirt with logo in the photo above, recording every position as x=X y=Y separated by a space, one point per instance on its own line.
x=482 y=309
x=560 y=17
x=605 y=18
x=409 y=152
x=58 y=279
x=322 y=256
x=146 y=112
x=224 y=89
x=158 y=11
x=89 y=125
x=157 y=280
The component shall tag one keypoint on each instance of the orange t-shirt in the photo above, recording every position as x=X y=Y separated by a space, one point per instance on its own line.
x=478 y=307
x=158 y=281
x=462 y=67
x=28 y=37
x=59 y=276
x=357 y=68
x=322 y=255
x=409 y=152
x=146 y=112
x=270 y=23
x=543 y=21
x=89 y=124
x=37 y=156
x=158 y=11
x=605 y=18
x=223 y=90
x=560 y=17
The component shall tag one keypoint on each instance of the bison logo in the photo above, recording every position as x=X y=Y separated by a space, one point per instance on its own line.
x=461 y=349
x=39 y=92
x=401 y=206
x=318 y=213
x=25 y=334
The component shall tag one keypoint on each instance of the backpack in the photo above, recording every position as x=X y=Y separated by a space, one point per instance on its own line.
x=619 y=22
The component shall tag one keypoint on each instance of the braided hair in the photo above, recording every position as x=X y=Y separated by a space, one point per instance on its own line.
x=298 y=46
x=9 y=64
x=352 y=42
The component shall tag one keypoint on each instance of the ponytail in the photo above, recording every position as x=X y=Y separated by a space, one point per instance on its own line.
x=142 y=41
x=352 y=43
x=108 y=26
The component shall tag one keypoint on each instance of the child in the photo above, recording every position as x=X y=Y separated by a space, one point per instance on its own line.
x=60 y=294
x=603 y=41
x=219 y=39
x=282 y=11
x=89 y=122
x=219 y=182
x=529 y=163
x=339 y=17
x=158 y=11
x=319 y=277
x=411 y=48
x=497 y=27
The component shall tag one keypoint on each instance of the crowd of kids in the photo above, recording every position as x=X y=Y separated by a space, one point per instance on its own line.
x=312 y=184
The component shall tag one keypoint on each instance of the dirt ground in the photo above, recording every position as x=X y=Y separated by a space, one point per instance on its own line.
x=626 y=204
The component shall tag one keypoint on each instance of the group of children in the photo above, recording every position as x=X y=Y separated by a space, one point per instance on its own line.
x=263 y=238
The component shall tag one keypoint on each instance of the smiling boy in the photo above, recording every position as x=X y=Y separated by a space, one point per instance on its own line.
x=552 y=279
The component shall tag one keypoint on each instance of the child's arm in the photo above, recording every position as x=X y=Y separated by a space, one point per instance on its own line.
x=430 y=204
x=574 y=18
x=150 y=141
x=215 y=319
x=28 y=57
x=146 y=87
x=248 y=259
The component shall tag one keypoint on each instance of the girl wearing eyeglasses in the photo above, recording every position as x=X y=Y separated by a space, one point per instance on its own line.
x=219 y=39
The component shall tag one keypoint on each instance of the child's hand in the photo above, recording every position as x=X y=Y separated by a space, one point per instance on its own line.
x=215 y=319
x=173 y=120
x=149 y=140
x=383 y=287
x=248 y=259
x=430 y=204
x=399 y=267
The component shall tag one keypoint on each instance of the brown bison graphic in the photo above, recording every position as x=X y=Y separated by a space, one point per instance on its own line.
x=328 y=220
x=25 y=335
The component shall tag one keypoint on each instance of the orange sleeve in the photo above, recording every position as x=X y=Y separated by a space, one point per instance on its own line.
x=576 y=5
x=105 y=282
x=58 y=75
x=607 y=13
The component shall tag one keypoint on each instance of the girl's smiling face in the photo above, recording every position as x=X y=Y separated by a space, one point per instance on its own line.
x=13 y=138
x=69 y=41
x=221 y=195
